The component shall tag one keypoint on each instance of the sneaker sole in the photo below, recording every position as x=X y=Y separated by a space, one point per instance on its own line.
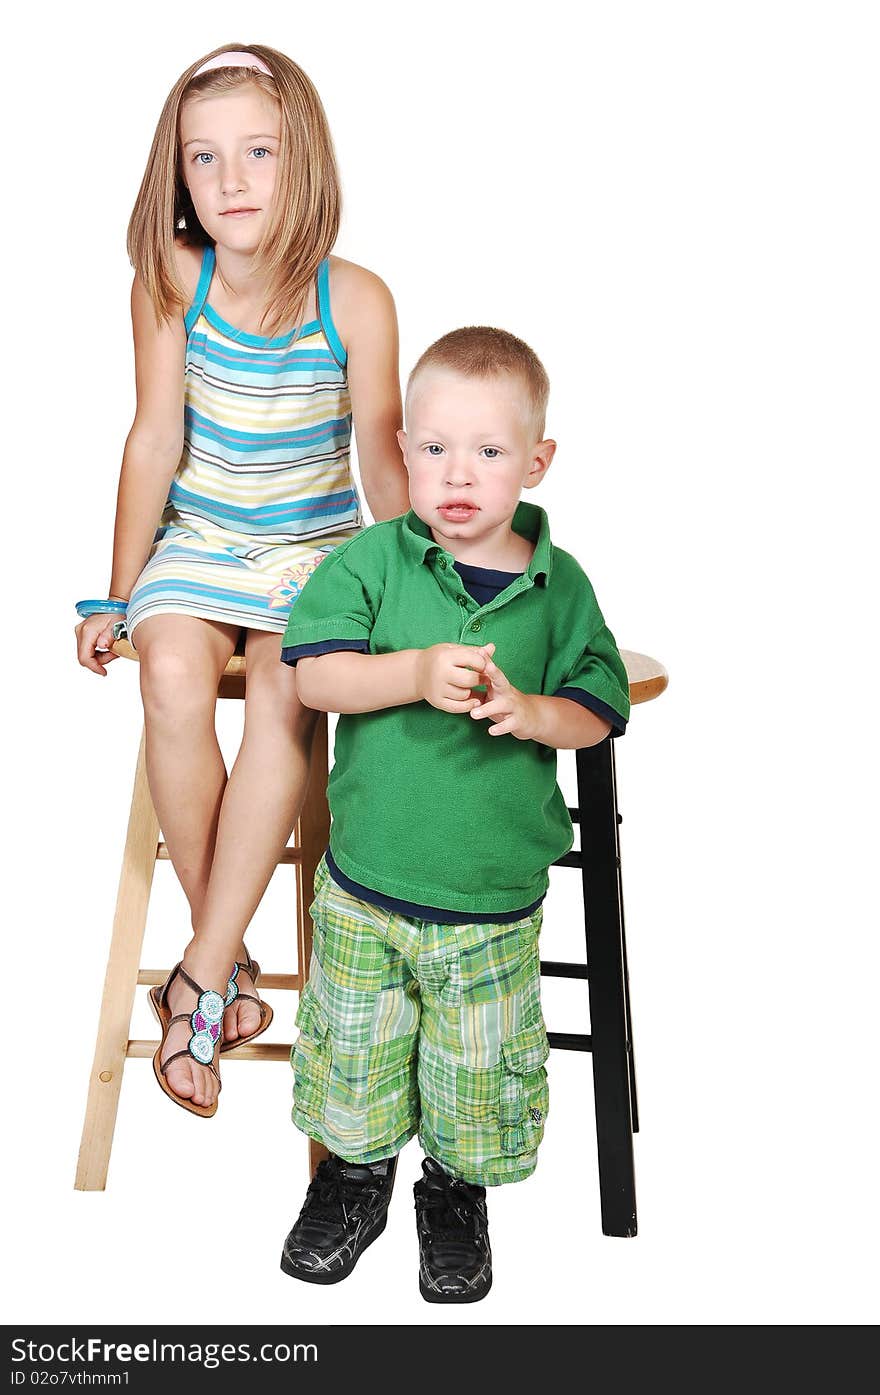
x=310 y=1276
x=431 y=1296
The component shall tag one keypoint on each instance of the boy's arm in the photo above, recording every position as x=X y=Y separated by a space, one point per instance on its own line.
x=560 y=722
x=343 y=681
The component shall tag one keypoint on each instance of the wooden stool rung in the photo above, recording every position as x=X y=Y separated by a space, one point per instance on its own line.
x=255 y=1051
x=290 y=856
x=292 y=982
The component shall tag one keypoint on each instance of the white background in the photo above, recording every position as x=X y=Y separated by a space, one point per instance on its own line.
x=677 y=205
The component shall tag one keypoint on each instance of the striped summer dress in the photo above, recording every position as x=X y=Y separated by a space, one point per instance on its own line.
x=264 y=490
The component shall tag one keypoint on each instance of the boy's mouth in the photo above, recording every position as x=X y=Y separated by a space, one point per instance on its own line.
x=459 y=511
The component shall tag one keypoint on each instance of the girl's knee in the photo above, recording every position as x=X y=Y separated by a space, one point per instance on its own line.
x=174 y=683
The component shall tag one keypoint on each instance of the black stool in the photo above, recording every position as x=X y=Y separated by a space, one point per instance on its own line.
x=610 y=1040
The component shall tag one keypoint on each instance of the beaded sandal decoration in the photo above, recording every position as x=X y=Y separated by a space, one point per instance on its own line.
x=252 y=968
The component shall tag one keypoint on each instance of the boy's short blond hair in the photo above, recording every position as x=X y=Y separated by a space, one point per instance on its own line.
x=479 y=351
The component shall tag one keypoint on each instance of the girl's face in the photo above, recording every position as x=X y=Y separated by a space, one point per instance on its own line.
x=229 y=148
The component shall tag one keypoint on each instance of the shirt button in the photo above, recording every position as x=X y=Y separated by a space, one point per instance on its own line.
x=476 y=624
x=462 y=601
x=441 y=563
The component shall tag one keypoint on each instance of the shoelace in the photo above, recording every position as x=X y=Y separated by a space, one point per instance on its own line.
x=452 y=1207
x=329 y=1189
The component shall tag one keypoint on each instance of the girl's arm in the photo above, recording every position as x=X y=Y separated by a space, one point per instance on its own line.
x=155 y=441
x=151 y=455
x=364 y=313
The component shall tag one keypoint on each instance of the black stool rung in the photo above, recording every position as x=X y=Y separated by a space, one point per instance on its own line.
x=555 y=969
x=570 y=1041
x=571 y=859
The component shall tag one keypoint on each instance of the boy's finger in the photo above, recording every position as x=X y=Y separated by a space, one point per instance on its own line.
x=499 y=708
x=499 y=679
x=453 y=705
x=465 y=677
x=503 y=728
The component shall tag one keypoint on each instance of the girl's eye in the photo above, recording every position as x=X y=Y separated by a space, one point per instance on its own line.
x=259 y=151
x=204 y=157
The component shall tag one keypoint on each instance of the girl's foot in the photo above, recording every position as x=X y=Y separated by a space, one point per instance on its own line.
x=186 y=1077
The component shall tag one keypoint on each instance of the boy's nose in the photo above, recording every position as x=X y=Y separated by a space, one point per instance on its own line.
x=458 y=473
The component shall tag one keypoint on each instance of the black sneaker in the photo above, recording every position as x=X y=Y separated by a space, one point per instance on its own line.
x=455 y=1259
x=345 y=1210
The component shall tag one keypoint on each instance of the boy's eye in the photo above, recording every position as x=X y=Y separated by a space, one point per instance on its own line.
x=491 y=452
x=434 y=449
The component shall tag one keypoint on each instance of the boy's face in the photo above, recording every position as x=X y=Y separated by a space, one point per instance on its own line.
x=470 y=449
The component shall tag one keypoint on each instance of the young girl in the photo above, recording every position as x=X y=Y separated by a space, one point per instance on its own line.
x=254 y=349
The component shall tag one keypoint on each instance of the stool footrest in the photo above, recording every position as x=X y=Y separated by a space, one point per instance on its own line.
x=293 y=982
x=255 y=1051
x=570 y=859
x=554 y=968
x=570 y=1041
x=289 y=856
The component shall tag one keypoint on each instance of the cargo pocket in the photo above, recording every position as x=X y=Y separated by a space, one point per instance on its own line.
x=311 y=1056
x=524 y=1096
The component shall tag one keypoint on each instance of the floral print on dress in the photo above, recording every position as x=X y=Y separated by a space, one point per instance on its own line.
x=291 y=583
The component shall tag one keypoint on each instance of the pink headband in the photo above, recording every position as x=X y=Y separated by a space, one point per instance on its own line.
x=234 y=59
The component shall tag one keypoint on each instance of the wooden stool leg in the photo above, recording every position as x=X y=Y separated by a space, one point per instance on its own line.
x=311 y=837
x=607 y=983
x=138 y=864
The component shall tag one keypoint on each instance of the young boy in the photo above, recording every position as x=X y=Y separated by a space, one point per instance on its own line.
x=462 y=649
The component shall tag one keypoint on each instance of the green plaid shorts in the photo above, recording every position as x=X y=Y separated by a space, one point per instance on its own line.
x=407 y=1026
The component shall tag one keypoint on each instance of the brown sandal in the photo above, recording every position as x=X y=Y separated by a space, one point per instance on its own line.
x=206 y=1021
x=266 y=1014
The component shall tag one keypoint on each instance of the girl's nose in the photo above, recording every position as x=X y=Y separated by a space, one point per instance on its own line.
x=233 y=180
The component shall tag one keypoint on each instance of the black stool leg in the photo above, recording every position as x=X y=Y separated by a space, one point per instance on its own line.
x=633 y=1098
x=603 y=914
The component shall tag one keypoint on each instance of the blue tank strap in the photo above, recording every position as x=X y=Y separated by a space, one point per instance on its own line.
x=324 y=315
x=201 y=294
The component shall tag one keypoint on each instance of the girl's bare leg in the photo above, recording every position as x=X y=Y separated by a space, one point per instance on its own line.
x=259 y=808
x=181 y=660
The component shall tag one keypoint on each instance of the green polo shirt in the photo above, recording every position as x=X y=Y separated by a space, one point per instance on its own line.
x=426 y=806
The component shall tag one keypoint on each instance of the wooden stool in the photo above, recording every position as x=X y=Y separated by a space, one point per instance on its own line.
x=142 y=851
x=606 y=970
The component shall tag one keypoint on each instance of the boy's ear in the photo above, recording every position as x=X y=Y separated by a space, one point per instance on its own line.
x=401 y=441
x=542 y=455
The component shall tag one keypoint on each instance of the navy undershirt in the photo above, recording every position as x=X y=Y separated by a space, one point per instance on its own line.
x=483 y=584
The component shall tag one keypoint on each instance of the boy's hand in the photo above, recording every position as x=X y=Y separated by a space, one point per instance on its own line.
x=514 y=712
x=446 y=673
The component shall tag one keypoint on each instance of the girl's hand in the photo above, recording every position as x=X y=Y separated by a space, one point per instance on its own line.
x=514 y=712
x=92 y=635
x=446 y=673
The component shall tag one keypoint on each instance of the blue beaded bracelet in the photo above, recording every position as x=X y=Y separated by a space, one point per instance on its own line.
x=86 y=608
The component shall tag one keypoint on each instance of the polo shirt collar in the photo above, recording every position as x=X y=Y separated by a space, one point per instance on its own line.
x=529 y=521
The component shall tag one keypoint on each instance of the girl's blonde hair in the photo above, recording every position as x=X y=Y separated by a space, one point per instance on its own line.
x=304 y=221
